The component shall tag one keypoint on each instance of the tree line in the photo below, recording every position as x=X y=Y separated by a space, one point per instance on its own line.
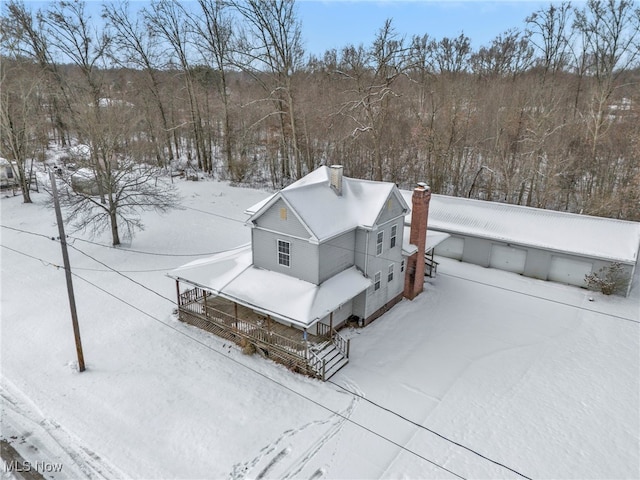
x=545 y=115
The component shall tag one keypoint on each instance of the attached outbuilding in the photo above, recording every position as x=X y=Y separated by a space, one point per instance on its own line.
x=545 y=244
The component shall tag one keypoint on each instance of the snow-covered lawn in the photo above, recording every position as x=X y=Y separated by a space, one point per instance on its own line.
x=529 y=374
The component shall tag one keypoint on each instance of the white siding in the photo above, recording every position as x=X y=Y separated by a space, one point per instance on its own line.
x=337 y=255
x=304 y=255
x=280 y=218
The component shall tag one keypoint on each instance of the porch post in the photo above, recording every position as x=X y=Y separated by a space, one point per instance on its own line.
x=204 y=296
x=269 y=322
x=178 y=292
x=331 y=325
x=235 y=310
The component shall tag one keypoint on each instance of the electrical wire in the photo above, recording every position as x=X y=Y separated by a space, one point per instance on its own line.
x=119 y=249
x=315 y=402
x=416 y=424
x=359 y=252
x=282 y=385
x=538 y=297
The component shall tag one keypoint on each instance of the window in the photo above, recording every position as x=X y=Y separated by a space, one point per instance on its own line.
x=402 y=266
x=394 y=234
x=283 y=213
x=284 y=253
x=379 y=240
x=390 y=274
x=376 y=281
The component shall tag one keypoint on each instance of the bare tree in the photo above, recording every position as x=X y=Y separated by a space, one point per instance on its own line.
x=214 y=34
x=371 y=75
x=22 y=126
x=169 y=19
x=135 y=45
x=509 y=54
x=24 y=36
x=270 y=50
x=129 y=186
x=548 y=32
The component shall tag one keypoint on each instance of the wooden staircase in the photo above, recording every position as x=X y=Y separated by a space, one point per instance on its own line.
x=328 y=359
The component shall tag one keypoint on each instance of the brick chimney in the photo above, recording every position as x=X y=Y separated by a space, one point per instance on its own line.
x=414 y=276
x=335 y=178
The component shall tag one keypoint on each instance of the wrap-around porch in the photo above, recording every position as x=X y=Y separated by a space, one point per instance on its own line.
x=318 y=351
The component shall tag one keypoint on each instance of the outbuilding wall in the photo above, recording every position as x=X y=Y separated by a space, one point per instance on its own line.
x=539 y=263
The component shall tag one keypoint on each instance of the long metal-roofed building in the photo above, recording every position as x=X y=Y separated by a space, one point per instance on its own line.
x=545 y=244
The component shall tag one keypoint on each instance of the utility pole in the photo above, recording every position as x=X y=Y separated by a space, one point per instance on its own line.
x=67 y=271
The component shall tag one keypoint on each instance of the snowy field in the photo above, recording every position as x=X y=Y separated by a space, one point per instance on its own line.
x=486 y=375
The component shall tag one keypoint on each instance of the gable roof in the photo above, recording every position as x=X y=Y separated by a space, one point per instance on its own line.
x=596 y=237
x=326 y=214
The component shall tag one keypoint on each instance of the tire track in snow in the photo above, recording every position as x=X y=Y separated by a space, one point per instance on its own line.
x=20 y=410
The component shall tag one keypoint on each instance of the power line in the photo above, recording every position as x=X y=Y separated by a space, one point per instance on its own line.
x=123 y=275
x=416 y=424
x=315 y=402
x=619 y=317
x=119 y=249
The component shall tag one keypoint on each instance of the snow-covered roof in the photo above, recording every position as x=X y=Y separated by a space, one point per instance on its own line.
x=326 y=214
x=596 y=237
x=434 y=239
x=231 y=275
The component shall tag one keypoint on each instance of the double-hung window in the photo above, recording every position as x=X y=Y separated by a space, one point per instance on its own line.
x=390 y=274
x=394 y=235
x=379 y=241
x=376 y=281
x=284 y=253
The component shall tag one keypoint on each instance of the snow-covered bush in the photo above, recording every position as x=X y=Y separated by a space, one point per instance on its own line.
x=608 y=280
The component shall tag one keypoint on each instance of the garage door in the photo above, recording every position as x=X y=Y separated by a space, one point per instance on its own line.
x=568 y=270
x=452 y=247
x=508 y=258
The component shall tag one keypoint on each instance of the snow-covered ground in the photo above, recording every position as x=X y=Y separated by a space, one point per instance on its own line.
x=516 y=374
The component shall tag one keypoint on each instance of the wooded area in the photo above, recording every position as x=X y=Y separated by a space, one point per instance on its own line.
x=544 y=116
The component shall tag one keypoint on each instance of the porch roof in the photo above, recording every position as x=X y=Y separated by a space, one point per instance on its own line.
x=433 y=240
x=232 y=275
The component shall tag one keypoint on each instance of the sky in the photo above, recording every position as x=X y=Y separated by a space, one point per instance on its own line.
x=336 y=23
x=328 y=24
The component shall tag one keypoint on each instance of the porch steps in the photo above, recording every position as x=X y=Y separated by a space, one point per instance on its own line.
x=333 y=357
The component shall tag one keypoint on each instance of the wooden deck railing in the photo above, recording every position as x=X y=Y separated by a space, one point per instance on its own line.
x=293 y=353
x=341 y=343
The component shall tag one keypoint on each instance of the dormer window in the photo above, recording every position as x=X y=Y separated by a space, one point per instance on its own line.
x=284 y=253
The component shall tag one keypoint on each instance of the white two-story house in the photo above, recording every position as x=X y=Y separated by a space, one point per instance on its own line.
x=325 y=250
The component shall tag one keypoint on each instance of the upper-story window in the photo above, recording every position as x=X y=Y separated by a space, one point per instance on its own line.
x=284 y=253
x=376 y=281
x=283 y=213
x=394 y=235
x=390 y=273
x=379 y=241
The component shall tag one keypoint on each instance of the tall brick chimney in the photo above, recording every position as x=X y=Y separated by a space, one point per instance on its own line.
x=414 y=276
